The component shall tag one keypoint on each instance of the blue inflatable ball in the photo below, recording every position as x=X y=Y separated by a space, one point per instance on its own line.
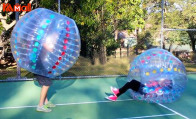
x=45 y=42
x=163 y=75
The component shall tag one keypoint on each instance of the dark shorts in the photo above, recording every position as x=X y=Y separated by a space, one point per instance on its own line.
x=43 y=81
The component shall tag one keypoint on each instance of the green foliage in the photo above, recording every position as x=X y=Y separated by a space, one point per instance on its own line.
x=177 y=37
x=125 y=15
x=49 y=4
x=1 y=28
x=99 y=19
x=177 y=14
x=111 y=46
x=145 y=40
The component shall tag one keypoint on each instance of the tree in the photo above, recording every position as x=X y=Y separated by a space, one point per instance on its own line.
x=8 y=18
x=7 y=22
x=189 y=18
x=182 y=17
x=177 y=14
x=152 y=20
x=192 y=35
x=99 y=20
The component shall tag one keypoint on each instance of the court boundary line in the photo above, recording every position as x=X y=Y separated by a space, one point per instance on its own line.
x=79 y=103
x=15 y=79
x=94 y=102
x=161 y=115
x=173 y=111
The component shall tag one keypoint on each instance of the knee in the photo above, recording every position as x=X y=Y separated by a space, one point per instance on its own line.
x=134 y=81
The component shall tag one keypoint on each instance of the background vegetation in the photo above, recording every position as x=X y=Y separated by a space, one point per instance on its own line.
x=99 y=23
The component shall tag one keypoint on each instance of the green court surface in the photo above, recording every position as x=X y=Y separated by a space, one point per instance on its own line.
x=84 y=99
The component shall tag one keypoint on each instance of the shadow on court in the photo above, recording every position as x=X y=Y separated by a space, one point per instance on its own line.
x=84 y=99
x=56 y=85
x=185 y=105
x=121 y=81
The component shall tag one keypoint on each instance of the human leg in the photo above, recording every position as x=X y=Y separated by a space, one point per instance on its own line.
x=46 y=100
x=43 y=98
x=43 y=95
x=48 y=103
x=117 y=92
x=133 y=84
x=45 y=82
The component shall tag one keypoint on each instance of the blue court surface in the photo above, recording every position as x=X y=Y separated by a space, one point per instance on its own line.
x=84 y=99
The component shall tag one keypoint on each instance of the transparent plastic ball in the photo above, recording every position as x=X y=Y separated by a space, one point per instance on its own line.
x=45 y=42
x=162 y=74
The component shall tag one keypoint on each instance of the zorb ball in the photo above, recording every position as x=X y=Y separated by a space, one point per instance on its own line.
x=45 y=42
x=162 y=74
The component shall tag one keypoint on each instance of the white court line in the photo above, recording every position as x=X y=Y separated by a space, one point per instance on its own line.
x=94 y=102
x=19 y=107
x=79 y=103
x=173 y=111
x=142 y=117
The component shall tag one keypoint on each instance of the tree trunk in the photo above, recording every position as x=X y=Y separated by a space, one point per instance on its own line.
x=116 y=35
x=163 y=43
x=193 y=44
x=192 y=37
x=137 y=36
x=93 y=56
x=102 y=50
x=170 y=48
x=102 y=54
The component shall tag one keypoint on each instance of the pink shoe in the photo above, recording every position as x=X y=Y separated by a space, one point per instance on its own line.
x=112 y=97
x=114 y=90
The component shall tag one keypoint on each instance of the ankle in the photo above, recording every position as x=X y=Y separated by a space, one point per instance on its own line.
x=115 y=90
x=40 y=105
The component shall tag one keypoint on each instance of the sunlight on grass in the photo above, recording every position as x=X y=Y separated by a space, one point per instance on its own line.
x=114 y=66
x=83 y=67
x=190 y=67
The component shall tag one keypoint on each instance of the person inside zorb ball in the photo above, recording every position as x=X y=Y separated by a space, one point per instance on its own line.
x=45 y=42
x=154 y=76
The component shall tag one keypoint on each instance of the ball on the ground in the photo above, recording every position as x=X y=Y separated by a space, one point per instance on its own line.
x=45 y=42
x=163 y=75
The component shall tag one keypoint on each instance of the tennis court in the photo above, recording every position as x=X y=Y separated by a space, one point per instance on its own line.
x=84 y=99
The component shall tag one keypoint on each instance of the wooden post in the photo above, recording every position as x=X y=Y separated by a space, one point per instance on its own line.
x=120 y=52
x=128 y=50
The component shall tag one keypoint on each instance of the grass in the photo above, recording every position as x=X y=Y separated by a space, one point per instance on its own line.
x=83 y=67
x=190 y=67
x=113 y=66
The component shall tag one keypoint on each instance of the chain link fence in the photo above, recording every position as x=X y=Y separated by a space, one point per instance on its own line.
x=117 y=64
